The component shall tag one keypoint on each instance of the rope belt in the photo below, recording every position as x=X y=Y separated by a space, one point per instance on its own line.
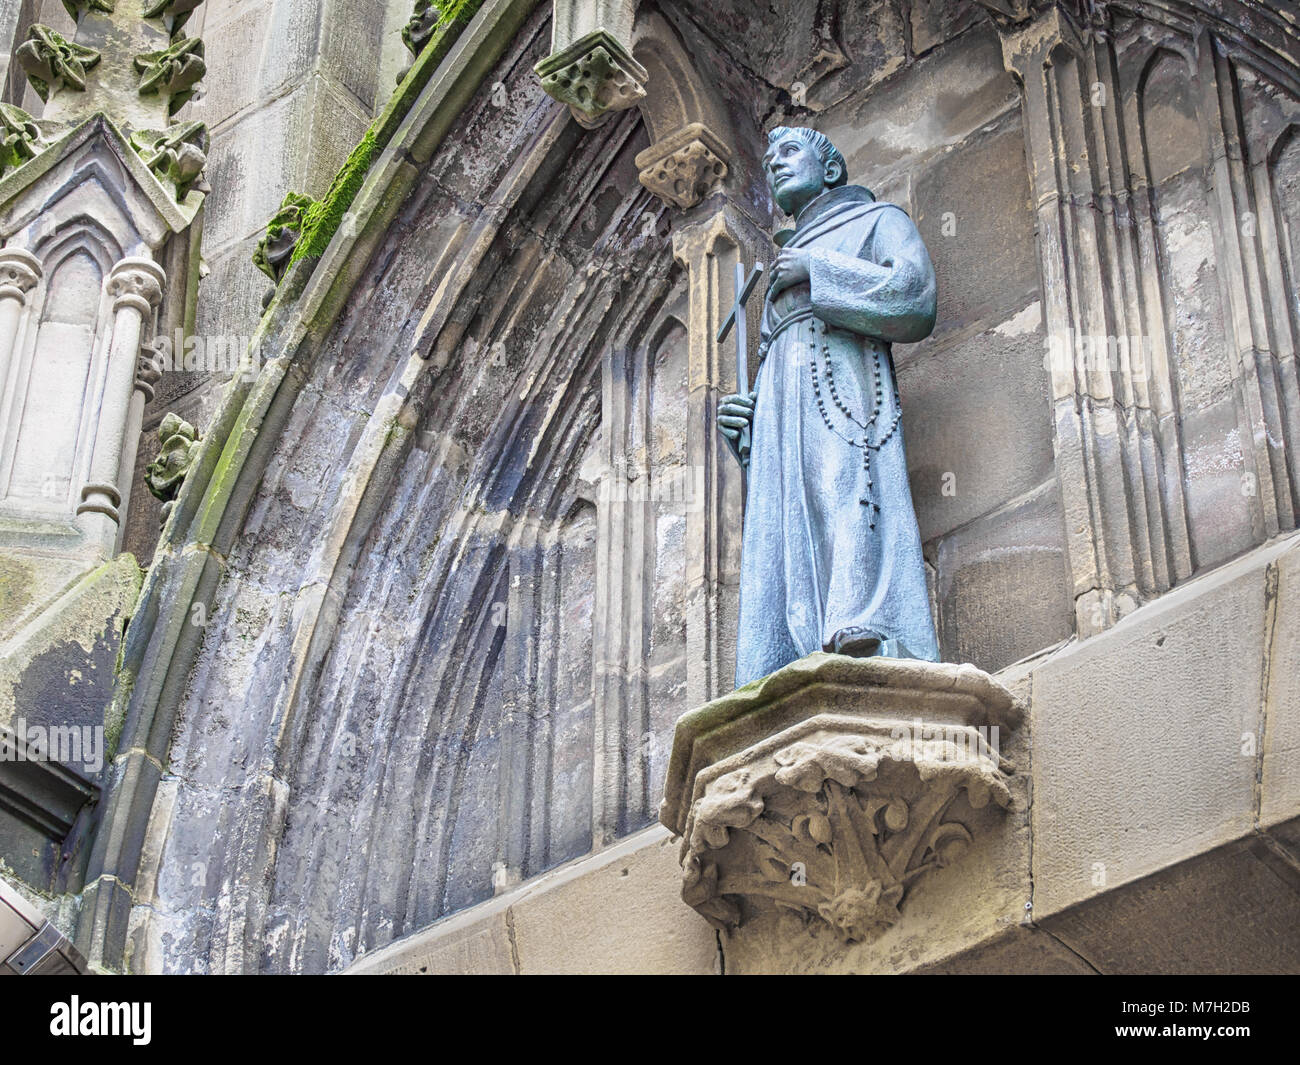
x=790 y=319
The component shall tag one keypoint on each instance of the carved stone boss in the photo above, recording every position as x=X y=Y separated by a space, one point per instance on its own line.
x=685 y=167
x=590 y=68
x=834 y=785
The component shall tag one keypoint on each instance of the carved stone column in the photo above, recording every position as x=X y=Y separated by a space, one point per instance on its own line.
x=147 y=375
x=707 y=247
x=590 y=68
x=19 y=273
x=1114 y=420
x=135 y=287
x=1263 y=376
x=830 y=787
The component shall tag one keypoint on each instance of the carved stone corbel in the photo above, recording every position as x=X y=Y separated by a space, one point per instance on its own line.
x=594 y=75
x=20 y=137
x=275 y=250
x=830 y=787
x=686 y=166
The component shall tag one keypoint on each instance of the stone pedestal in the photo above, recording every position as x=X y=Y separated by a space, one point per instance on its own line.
x=830 y=787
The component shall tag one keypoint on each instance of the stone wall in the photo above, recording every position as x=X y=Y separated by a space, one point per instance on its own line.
x=462 y=638
x=421 y=630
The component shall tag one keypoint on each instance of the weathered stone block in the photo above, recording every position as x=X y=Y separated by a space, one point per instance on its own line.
x=976 y=421
x=948 y=96
x=974 y=208
x=615 y=912
x=296 y=142
x=936 y=21
x=1002 y=587
x=618 y=912
x=1167 y=702
x=1231 y=912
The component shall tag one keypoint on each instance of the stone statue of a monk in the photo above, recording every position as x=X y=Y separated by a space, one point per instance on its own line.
x=831 y=555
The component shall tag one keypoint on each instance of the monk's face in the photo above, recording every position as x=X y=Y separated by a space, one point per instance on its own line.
x=795 y=173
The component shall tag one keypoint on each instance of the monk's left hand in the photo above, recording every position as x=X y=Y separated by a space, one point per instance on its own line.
x=790 y=268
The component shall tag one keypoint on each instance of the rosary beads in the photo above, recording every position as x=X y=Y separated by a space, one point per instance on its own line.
x=867 y=498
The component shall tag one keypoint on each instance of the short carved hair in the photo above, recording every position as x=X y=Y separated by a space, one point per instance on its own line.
x=818 y=142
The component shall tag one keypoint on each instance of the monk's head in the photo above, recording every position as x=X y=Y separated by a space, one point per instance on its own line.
x=800 y=165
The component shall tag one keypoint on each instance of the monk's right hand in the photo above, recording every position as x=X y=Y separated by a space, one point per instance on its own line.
x=735 y=413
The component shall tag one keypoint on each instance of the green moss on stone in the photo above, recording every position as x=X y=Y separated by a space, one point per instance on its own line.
x=321 y=220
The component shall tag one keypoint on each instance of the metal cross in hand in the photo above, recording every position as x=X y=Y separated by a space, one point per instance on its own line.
x=744 y=289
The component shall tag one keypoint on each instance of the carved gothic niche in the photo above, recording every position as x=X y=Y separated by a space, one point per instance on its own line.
x=832 y=786
x=590 y=68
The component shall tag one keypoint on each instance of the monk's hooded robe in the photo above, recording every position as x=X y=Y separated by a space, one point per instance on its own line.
x=832 y=556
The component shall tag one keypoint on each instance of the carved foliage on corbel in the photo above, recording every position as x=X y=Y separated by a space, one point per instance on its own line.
x=176 y=155
x=20 y=137
x=77 y=8
x=174 y=71
x=283 y=231
x=164 y=476
x=838 y=824
x=174 y=13
x=593 y=76
x=52 y=62
x=685 y=167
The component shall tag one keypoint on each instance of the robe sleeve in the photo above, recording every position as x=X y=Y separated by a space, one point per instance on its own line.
x=887 y=291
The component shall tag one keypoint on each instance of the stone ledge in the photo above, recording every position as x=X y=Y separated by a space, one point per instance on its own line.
x=617 y=911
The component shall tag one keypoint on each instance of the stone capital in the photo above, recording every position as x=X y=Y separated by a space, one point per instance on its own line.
x=20 y=270
x=136 y=283
x=594 y=75
x=686 y=166
x=831 y=786
x=1028 y=42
